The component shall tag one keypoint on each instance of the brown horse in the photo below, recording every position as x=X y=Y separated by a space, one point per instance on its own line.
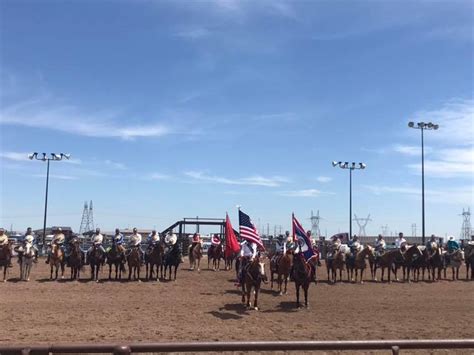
x=56 y=261
x=469 y=259
x=252 y=276
x=337 y=262
x=115 y=256
x=358 y=263
x=412 y=253
x=215 y=254
x=134 y=264
x=195 y=256
x=386 y=261
x=421 y=263
x=301 y=274
x=5 y=259
x=155 y=257
x=229 y=258
x=436 y=261
x=75 y=259
x=281 y=265
x=456 y=259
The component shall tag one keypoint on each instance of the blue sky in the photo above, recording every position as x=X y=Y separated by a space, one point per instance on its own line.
x=175 y=109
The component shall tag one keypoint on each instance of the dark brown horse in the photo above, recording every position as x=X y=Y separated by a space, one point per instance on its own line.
x=469 y=260
x=386 y=261
x=56 y=261
x=422 y=264
x=302 y=276
x=412 y=253
x=134 y=264
x=154 y=259
x=456 y=259
x=96 y=259
x=229 y=258
x=358 y=263
x=215 y=254
x=5 y=259
x=116 y=257
x=172 y=259
x=436 y=263
x=75 y=260
x=281 y=265
x=252 y=276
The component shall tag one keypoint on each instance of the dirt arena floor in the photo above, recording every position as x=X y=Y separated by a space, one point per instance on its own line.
x=205 y=306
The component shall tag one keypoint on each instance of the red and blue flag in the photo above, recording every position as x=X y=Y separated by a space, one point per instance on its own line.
x=302 y=239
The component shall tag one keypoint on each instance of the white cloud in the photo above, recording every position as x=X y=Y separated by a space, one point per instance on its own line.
x=252 y=180
x=16 y=156
x=45 y=114
x=115 y=165
x=194 y=33
x=449 y=195
x=407 y=149
x=324 y=179
x=157 y=176
x=55 y=176
x=301 y=193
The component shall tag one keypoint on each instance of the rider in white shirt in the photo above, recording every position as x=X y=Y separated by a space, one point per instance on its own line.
x=380 y=245
x=401 y=242
x=248 y=252
x=29 y=242
x=97 y=240
x=135 y=242
x=58 y=239
x=4 y=243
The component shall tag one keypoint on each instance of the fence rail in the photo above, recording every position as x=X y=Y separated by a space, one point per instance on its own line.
x=393 y=345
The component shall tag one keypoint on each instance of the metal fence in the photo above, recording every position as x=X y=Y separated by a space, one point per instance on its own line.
x=395 y=346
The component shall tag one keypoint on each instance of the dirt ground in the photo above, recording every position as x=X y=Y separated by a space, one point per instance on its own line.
x=205 y=306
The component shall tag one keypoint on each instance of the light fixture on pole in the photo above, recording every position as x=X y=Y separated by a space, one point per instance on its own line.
x=423 y=126
x=351 y=166
x=44 y=157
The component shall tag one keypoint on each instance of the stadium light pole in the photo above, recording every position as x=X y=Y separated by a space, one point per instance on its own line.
x=352 y=166
x=423 y=126
x=44 y=157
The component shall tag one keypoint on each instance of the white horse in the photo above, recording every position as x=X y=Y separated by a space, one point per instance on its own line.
x=26 y=255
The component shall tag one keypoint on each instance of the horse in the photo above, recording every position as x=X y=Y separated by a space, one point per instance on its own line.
x=5 y=259
x=96 y=258
x=252 y=276
x=436 y=261
x=469 y=260
x=386 y=260
x=215 y=254
x=229 y=258
x=75 y=259
x=358 y=263
x=301 y=274
x=195 y=255
x=154 y=257
x=337 y=262
x=456 y=259
x=134 y=263
x=421 y=263
x=411 y=254
x=56 y=261
x=115 y=257
x=26 y=255
x=172 y=258
x=281 y=266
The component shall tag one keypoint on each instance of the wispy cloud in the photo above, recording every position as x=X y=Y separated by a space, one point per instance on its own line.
x=55 y=176
x=324 y=179
x=256 y=180
x=157 y=176
x=115 y=165
x=46 y=114
x=301 y=193
x=454 y=195
x=194 y=33
x=15 y=156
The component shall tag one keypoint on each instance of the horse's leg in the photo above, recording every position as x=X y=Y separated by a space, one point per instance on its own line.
x=280 y=281
x=305 y=288
x=243 y=291
x=175 y=271
x=255 y=303
x=199 y=264
x=249 y=289
x=297 y=294
x=286 y=282
x=138 y=273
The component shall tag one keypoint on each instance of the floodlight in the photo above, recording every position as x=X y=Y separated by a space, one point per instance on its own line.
x=334 y=163
x=44 y=157
x=411 y=124
x=362 y=165
x=67 y=156
x=435 y=126
x=32 y=155
x=56 y=156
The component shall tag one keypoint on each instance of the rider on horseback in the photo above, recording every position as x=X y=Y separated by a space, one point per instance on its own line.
x=152 y=240
x=29 y=242
x=215 y=242
x=432 y=245
x=135 y=242
x=380 y=246
x=117 y=239
x=452 y=246
x=97 y=240
x=4 y=243
x=58 y=240
x=196 y=240
x=248 y=252
x=401 y=242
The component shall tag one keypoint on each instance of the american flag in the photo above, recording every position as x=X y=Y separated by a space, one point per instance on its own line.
x=248 y=231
